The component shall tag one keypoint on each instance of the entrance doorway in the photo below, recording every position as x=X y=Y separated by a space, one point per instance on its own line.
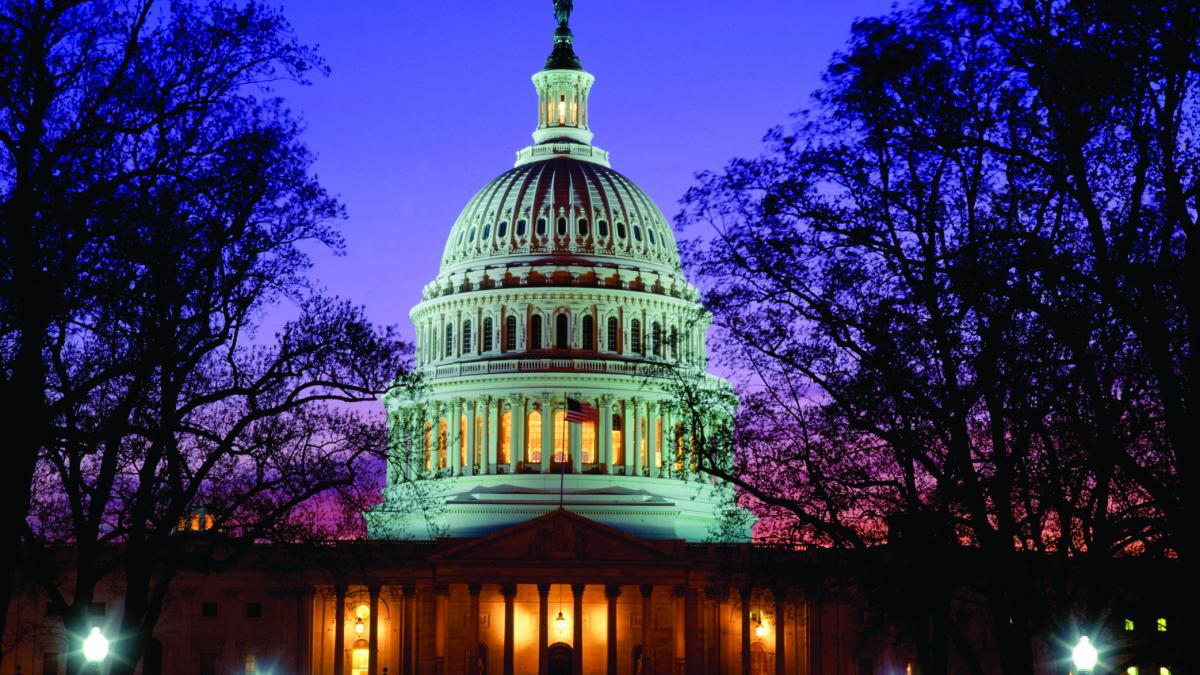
x=560 y=658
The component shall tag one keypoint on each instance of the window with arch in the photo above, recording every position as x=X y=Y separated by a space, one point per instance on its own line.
x=449 y=341
x=510 y=333
x=618 y=448
x=656 y=338
x=589 y=338
x=561 y=227
x=533 y=436
x=560 y=331
x=635 y=336
x=466 y=337
x=614 y=331
x=535 y=332
x=487 y=334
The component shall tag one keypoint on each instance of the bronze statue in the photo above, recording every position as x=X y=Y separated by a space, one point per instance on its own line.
x=562 y=11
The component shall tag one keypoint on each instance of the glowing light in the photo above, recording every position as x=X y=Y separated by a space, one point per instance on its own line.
x=760 y=630
x=560 y=623
x=1084 y=655
x=359 y=628
x=95 y=647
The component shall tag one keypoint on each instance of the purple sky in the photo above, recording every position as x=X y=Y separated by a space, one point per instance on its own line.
x=428 y=101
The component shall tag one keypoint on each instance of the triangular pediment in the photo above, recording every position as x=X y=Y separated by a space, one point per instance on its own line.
x=557 y=537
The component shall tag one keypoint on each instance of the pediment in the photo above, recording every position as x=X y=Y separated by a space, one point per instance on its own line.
x=557 y=537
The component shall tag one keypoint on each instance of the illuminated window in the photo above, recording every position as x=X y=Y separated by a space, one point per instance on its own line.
x=428 y=438
x=589 y=337
x=1163 y=670
x=505 y=437
x=587 y=434
x=442 y=435
x=487 y=334
x=560 y=436
x=618 y=448
x=360 y=658
x=1161 y=624
x=510 y=333
x=1131 y=670
x=251 y=662
x=658 y=444
x=1128 y=624
x=614 y=331
x=533 y=437
x=535 y=332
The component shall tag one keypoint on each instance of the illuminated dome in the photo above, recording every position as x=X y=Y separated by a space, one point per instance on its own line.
x=551 y=346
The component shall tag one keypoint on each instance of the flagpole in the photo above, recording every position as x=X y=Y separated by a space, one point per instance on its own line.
x=562 y=471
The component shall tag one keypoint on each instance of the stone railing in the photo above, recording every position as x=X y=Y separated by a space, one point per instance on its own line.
x=545 y=365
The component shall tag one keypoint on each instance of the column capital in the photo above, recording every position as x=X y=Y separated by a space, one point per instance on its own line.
x=373 y=589
x=745 y=592
x=612 y=591
x=543 y=590
x=679 y=591
x=509 y=591
x=340 y=590
x=408 y=590
x=441 y=589
x=474 y=587
x=716 y=592
x=577 y=589
x=647 y=590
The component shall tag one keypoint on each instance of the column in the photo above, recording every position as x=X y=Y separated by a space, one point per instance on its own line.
x=780 y=654
x=472 y=443
x=408 y=658
x=633 y=453
x=473 y=630
x=304 y=631
x=440 y=611
x=373 y=627
x=435 y=446
x=745 y=631
x=509 y=591
x=669 y=446
x=715 y=595
x=543 y=628
x=694 y=650
x=647 y=592
x=454 y=444
x=339 y=629
x=495 y=408
x=679 y=629
x=577 y=626
x=547 y=432
x=606 y=446
x=516 y=433
x=651 y=437
x=612 y=592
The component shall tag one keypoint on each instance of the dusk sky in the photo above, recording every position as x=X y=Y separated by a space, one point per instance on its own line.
x=428 y=101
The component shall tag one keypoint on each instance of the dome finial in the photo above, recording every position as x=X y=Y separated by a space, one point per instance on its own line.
x=563 y=56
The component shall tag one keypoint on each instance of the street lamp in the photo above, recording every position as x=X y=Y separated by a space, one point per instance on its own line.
x=95 y=646
x=1084 y=655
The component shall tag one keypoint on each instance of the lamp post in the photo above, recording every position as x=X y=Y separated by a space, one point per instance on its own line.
x=95 y=648
x=1084 y=655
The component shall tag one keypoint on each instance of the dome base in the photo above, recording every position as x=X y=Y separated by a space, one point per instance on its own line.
x=651 y=508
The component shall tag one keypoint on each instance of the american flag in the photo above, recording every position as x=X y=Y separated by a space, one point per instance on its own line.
x=579 y=412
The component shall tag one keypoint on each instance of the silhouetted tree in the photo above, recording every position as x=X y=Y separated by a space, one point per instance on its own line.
x=155 y=202
x=959 y=287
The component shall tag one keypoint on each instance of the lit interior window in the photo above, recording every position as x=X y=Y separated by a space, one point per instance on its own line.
x=360 y=658
x=1131 y=670
x=587 y=434
x=1128 y=624
x=1162 y=624
x=560 y=436
x=533 y=437
x=505 y=437
x=251 y=663
x=1163 y=670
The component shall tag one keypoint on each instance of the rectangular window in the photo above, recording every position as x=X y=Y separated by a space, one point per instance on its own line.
x=254 y=610
x=251 y=662
x=1128 y=624
x=208 y=663
x=208 y=610
x=1162 y=624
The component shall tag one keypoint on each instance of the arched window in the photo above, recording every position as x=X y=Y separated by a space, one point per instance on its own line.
x=589 y=339
x=533 y=436
x=620 y=230
x=613 y=332
x=510 y=333
x=535 y=332
x=635 y=336
x=618 y=448
x=674 y=342
x=562 y=227
x=649 y=234
x=502 y=229
x=560 y=331
x=581 y=226
x=466 y=337
x=521 y=227
x=487 y=334
x=637 y=232
x=541 y=227
x=602 y=228
x=487 y=229
x=656 y=338
x=471 y=234
x=449 y=341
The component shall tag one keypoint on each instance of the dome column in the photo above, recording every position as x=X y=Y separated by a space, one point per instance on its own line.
x=670 y=442
x=635 y=454
x=472 y=442
x=435 y=436
x=547 y=432
x=652 y=439
x=495 y=408
x=516 y=432
x=606 y=448
x=455 y=442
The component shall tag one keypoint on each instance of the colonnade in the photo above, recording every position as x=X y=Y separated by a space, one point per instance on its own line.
x=699 y=630
x=484 y=435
